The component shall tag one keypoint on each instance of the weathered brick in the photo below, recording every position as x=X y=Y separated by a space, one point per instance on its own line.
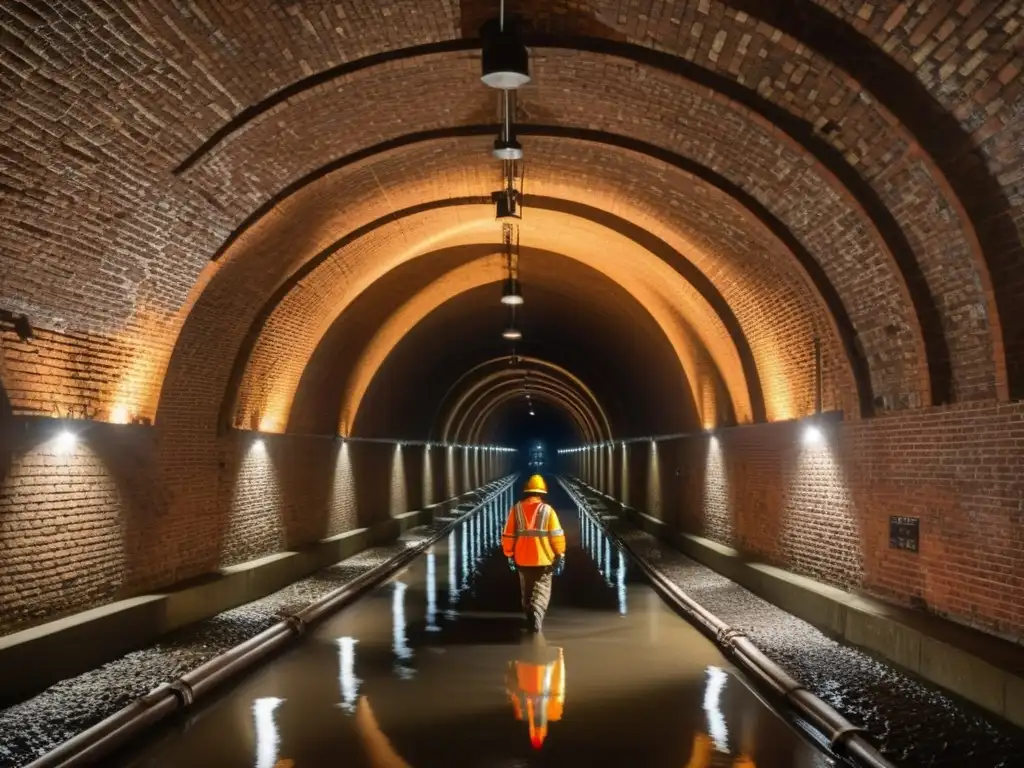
x=824 y=511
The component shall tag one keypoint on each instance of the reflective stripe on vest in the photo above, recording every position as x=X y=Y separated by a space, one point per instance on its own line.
x=541 y=521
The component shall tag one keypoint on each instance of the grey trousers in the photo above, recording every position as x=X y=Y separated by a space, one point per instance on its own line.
x=535 y=587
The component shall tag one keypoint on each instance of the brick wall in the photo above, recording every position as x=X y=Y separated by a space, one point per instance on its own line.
x=823 y=510
x=86 y=525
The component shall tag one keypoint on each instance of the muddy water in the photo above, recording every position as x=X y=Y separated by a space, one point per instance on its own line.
x=434 y=669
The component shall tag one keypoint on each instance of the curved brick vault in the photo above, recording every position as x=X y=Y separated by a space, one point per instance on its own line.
x=522 y=371
x=576 y=324
x=470 y=413
x=276 y=219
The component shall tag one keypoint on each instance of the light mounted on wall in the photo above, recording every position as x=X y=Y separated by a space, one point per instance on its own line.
x=65 y=443
x=813 y=435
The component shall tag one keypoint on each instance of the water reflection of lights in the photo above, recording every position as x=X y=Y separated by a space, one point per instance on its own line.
x=465 y=555
x=622 y=584
x=716 y=720
x=267 y=738
x=432 y=592
x=453 y=576
x=400 y=645
x=346 y=672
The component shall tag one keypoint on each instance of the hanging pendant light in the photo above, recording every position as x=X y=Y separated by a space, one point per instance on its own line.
x=510 y=294
x=512 y=333
x=504 y=60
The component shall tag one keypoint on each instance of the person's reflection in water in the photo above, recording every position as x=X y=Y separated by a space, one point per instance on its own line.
x=378 y=749
x=704 y=755
x=535 y=683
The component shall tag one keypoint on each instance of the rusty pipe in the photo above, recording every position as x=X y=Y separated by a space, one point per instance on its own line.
x=89 y=746
x=840 y=732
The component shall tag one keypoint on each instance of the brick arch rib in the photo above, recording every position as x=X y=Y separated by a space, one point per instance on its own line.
x=474 y=400
x=677 y=260
x=937 y=352
x=479 y=373
x=474 y=427
x=946 y=142
x=812 y=269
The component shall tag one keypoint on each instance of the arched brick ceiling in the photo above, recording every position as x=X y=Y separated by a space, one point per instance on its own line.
x=887 y=143
x=469 y=428
x=680 y=310
x=580 y=321
x=522 y=372
x=511 y=425
x=751 y=282
x=461 y=422
x=538 y=268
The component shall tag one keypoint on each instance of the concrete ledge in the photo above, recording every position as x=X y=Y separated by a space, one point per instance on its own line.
x=983 y=669
x=36 y=658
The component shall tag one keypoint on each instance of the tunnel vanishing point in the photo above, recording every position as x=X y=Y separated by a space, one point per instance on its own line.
x=259 y=266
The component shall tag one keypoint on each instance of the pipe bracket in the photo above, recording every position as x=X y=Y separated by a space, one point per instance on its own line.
x=183 y=691
x=295 y=623
x=845 y=732
x=726 y=635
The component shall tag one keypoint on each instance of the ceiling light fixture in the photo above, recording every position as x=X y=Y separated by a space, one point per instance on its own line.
x=504 y=60
x=511 y=295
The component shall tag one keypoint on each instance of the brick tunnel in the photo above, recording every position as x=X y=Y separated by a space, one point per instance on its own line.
x=256 y=345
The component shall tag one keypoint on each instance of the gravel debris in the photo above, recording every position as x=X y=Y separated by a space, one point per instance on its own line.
x=912 y=723
x=65 y=709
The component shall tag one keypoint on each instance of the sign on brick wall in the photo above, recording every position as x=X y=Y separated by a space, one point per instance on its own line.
x=903 y=533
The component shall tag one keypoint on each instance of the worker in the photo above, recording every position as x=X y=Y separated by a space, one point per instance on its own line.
x=534 y=543
x=536 y=686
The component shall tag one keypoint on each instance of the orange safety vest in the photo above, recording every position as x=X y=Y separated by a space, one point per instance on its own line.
x=533 y=535
x=538 y=695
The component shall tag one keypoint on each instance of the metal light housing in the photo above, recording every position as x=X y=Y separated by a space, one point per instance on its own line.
x=507 y=149
x=510 y=294
x=506 y=204
x=505 y=62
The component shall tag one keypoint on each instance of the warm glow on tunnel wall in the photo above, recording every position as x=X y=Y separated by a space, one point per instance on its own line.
x=349 y=272
x=683 y=314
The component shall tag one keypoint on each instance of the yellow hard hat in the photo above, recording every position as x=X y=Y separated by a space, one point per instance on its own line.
x=536 y=484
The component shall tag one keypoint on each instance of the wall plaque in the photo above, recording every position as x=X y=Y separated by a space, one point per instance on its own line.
x=903 y=533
